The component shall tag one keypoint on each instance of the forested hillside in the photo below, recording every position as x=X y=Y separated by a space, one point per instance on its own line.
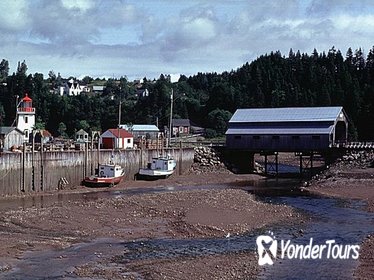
x=208 y=99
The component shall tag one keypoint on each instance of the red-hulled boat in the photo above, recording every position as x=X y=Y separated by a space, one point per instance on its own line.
x=108 y=175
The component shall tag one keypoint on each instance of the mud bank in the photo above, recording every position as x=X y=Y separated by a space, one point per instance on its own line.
x=63 y=226
x=351 y=181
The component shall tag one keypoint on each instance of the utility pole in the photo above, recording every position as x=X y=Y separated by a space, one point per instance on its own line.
x=119 y=117
x=171 y=116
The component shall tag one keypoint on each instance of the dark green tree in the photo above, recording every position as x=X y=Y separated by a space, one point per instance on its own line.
x=4 y=70
x=218 y=120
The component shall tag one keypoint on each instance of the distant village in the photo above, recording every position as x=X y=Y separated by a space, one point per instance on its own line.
x=75 y=87
x=24 y=135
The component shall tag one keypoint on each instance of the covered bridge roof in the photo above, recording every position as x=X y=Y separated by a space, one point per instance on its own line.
x=287 y=129
x=280 y=131
x=292 y=114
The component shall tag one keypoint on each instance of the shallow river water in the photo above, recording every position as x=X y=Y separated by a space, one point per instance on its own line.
x=344 y=221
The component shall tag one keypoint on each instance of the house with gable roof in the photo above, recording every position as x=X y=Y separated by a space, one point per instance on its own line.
x=10 y=137
x=117 y=138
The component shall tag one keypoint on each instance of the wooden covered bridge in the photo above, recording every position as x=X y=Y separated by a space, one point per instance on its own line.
x=305 y=131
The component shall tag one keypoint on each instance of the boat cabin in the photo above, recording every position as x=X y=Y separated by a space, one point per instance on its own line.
x=162 y=164
x=110 y=170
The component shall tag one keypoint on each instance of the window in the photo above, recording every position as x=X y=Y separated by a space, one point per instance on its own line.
x=26 y=119
x=128 y=141
x=237 y=137
x=26 y=133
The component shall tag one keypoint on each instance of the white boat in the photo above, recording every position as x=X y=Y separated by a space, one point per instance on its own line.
x=108 y=175
x=161 y=167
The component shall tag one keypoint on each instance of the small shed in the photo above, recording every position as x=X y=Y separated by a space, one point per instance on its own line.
x=287 y=129
x=81 y=136
x=181 y=127
x=147 y=131
x=117 y=138
x=9 y=137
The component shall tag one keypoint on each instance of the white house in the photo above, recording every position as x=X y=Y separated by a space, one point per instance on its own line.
x=115 y=138
x=73 y=88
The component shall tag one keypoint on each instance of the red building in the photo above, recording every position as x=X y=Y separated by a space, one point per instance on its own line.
x=115 y=138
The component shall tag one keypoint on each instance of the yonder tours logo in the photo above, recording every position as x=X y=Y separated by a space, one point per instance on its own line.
x=267 y=248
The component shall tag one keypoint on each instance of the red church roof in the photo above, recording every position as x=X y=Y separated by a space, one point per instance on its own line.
x=122 y=132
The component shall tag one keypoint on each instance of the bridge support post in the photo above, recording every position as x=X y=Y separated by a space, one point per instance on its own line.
x=306 y=161
x=276 y=163
x=266 y=164
x=270 y=165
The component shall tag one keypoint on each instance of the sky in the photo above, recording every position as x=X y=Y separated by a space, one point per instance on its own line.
x=144 y=38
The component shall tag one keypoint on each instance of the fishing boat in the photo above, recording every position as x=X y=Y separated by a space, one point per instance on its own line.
x=107 y=175
x=160 y=167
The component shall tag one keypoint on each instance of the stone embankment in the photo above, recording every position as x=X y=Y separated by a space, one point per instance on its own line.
x=208 y=159
x=342 y=166
x=361 y=159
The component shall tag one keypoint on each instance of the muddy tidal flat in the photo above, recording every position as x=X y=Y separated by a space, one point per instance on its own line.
x=193 y=226
x=347 y=182
x=118 y=235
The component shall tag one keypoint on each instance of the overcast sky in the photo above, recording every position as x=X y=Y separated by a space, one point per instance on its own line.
x=138 y=38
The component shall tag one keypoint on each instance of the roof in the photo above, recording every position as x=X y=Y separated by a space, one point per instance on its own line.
x=122 y=132
x=98 y=88
x=7 y=129
x=45 y=133
x=292 y=114
x=181 y=122
x=141 y=127
x=26 y=98
x=81 y=131
x=281 y=131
